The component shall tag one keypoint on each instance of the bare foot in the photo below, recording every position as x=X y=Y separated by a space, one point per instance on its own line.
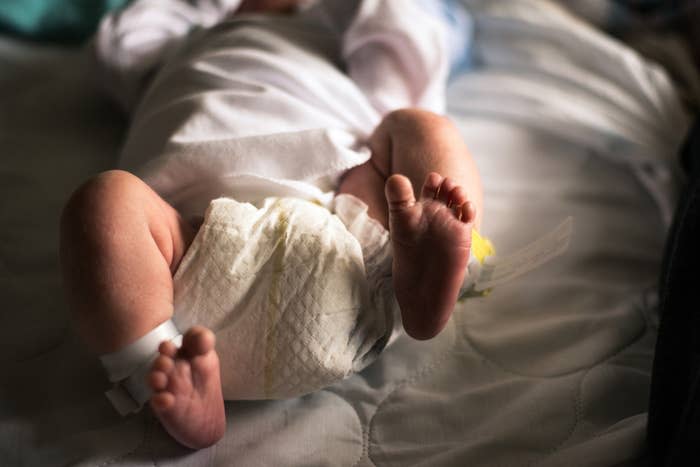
x=187 y=390
x=431 y=239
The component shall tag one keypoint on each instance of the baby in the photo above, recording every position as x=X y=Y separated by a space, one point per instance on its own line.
x=122 y=239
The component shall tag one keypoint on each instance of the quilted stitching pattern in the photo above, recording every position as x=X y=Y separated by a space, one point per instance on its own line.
x=285 y=289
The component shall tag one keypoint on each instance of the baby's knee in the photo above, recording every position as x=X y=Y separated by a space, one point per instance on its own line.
x=420 y=126
x=95 y=202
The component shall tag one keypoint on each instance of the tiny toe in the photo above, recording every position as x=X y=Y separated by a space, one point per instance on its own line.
x=158 y=380
x=457 y=197
x=163 y=364
x=162 y=400
x=168 y=349
x=446 y=188
x=468 y=212
x=198 y=341
x=431 y=186
x=399 y=192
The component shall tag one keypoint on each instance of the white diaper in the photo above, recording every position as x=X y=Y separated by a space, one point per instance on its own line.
x=298 y=298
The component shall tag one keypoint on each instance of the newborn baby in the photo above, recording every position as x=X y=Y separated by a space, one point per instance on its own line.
x=359 y=116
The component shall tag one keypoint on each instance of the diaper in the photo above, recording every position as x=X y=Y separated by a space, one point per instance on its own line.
x=298 y=298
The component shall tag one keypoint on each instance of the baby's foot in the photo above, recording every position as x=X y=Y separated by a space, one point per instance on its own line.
x=431 y=239
x=187 y=390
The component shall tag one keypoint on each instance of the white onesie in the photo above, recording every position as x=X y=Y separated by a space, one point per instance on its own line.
x=264 y=105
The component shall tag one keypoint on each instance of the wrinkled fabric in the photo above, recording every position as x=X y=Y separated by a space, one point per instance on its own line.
x=264 y=105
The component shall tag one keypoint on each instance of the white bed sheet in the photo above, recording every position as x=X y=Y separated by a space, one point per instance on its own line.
x=550 y=370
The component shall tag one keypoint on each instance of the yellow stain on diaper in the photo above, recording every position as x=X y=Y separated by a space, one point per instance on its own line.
x=274 y=294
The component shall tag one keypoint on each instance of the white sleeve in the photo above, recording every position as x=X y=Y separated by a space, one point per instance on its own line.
x=131 y=42
x=396 y=53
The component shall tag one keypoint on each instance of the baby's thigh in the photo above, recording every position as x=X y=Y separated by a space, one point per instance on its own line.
x=120 y=245
x=118 y=201
x=366 y=183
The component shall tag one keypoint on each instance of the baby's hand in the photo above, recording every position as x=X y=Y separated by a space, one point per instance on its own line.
x=269 y=6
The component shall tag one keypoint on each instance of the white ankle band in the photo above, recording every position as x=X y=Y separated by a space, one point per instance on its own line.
x=127 y=368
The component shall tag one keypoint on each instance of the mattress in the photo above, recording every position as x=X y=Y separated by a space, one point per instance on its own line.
x=551 y=369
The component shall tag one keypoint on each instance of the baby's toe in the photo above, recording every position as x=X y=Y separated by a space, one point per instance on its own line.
x=163 y=400
x=399 y=192
x=158 y=380
x=446 y=188
x=431 y=186
x=197 y=341
x=457 y=197
x=163 y=364
x=468 y=212
x=168 y=349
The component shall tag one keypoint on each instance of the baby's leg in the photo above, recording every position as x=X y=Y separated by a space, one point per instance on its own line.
x=120 y=244
x=430 y=228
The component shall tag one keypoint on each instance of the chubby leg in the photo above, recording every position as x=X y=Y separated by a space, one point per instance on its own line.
x=429 y=217
x=120 y=244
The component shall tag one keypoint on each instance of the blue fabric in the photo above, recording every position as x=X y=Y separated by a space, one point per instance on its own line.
x=54 y=20
x=460 y=31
